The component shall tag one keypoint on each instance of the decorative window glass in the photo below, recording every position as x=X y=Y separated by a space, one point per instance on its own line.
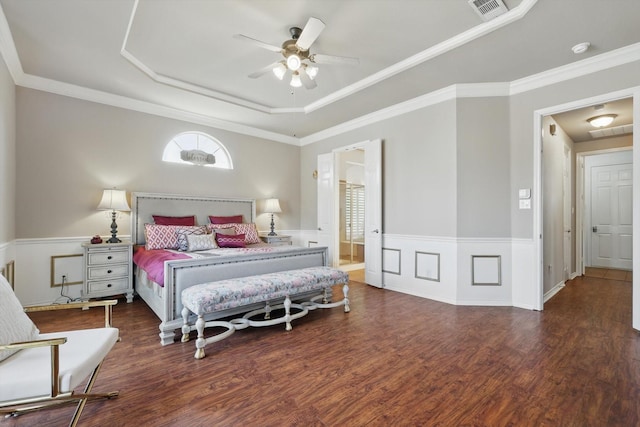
x=197 y=148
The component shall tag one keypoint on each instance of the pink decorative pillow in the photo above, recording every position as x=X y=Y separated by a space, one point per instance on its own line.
x=174 y=220
x=230 y=240
x=225 y=219
x=249 y=230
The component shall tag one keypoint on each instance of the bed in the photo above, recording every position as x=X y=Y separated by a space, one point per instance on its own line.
x=161 y=288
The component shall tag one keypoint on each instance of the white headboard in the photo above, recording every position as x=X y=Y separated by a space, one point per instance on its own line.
x=144 y=205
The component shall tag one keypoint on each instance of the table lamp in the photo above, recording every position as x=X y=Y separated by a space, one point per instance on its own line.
x=114 y=200
x=272 y=206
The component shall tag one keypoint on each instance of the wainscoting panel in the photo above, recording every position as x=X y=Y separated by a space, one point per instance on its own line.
x=427 y=266
x=485 y=270
x=391 y=261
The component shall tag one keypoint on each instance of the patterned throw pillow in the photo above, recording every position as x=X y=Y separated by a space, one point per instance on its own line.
x=161 y=236
x=250 y=232
x=201 y=242
x=184 y=232
x=230 y=241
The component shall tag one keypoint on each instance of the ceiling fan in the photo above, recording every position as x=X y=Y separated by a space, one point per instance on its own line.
x=297 y=57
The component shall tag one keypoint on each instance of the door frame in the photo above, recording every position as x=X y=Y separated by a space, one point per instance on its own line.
x=634 y=93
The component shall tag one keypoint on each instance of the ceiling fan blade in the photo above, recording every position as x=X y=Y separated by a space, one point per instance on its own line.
x=310 y=33
x=261 y=72
x=319 y=58
x=258 y=43
x=306 y=80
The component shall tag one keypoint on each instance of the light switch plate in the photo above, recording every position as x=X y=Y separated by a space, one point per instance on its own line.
x=524 y=193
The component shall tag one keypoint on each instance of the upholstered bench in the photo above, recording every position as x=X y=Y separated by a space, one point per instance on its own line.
x=224 y=294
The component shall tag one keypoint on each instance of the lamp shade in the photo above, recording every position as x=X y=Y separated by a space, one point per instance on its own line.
x=114 y=200
x=272 y=206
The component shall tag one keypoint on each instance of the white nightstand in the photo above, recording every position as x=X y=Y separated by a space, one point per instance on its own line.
x=107 y=270
x=279 y=240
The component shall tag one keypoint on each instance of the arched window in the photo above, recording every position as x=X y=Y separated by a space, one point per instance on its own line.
x=197 y=148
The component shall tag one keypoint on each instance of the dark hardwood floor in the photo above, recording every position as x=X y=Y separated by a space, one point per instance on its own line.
x=395 y=360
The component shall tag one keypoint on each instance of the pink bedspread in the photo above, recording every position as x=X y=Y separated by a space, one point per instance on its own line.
x=152 y=261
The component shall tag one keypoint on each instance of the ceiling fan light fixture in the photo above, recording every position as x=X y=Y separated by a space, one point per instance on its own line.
x=602 y=121
x=312 y=71
x=293 y=62
x=295 y=80
x=280 y=71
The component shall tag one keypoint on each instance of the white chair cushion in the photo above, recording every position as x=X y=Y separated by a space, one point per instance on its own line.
x=28 y=373
x=15 y=325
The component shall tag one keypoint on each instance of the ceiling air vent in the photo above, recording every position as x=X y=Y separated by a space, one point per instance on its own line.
x=488 y=9
x=613 y=131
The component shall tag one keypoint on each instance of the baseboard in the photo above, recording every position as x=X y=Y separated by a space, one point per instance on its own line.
x=551 y=293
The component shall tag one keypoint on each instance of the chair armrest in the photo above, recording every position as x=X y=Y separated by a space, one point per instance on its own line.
x=32 y=344
x=107 y=304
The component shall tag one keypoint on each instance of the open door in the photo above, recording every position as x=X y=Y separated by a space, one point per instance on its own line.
x=328 y=202
x=326 y=205
x=373 y=212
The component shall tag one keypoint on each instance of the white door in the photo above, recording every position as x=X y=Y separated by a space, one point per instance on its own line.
x=611 y=216
x=326 y=204
x=373 y=212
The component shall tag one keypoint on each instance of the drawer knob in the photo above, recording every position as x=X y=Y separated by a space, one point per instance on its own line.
x=109 y=257
x=109 y=285
x=109 y=272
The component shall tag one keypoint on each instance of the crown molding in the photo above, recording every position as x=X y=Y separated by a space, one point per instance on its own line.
x=432 y=98
x=8 y=48
x=614 y=58
x=79 y=92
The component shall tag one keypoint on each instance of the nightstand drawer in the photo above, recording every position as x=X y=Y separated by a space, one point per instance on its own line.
x=104 y=272
x=277 y=240
x=120 y=284
x=108 y=257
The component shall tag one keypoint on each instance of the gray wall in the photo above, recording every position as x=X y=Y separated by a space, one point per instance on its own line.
x=7 y=154
x=68 y=150
x=483 y=167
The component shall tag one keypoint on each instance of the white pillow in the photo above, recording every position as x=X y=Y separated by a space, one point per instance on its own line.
x=201 y=242
x=15 y=325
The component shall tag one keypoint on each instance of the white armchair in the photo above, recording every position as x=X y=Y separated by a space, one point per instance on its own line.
x=42 y=370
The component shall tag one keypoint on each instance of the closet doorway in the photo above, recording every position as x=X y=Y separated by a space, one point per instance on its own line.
x=351 y=209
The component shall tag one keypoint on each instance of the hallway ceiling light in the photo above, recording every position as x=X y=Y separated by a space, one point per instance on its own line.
x=602 y=121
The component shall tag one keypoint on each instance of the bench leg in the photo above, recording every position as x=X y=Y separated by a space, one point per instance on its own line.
x=200 y=342
x=267 y=311
x=185 y=324
x=287 y=313
x=325 y=298
x=345 y=291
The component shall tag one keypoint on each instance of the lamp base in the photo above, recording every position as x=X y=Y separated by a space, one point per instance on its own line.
x=114 y=229
x=272 y=233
